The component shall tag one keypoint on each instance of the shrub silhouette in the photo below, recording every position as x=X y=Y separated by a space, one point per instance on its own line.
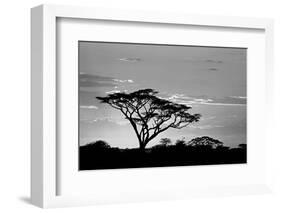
x=242 y=146
x=99 y=144
x=148 y=114
x=158 y=147
x=180 y=143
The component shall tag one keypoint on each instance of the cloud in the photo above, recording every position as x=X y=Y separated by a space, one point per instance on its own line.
x=112 y=91
x=214 y=61
x=122 y=86
x=239 y=97
x=213 y=69
x=89 y=80
x=106 y=120
x=88 y=107
x=202 y=61
x=130 y=59
x=123 y=81
x=231 y=100
x=206 y=126
x=204 y=100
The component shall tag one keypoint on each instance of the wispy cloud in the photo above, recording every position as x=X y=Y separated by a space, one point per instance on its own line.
x=120 y=122
x=212 y=61
x=206 y=126
x=123 y=81
x=112 y=91
x=89 y=80
x=239 y=97
x=204 y=100
x=88 y=107
x=202 y=61
x=130 y=59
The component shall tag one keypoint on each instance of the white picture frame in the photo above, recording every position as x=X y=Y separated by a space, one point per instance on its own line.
x=44 y=153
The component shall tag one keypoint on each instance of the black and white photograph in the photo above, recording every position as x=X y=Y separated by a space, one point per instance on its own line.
x=158 y=105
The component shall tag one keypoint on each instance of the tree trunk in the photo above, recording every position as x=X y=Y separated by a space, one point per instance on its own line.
x=142 y=146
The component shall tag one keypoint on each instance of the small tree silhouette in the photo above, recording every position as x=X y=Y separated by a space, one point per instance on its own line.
x=165 y=141
x=148 y=114
x=205 y=141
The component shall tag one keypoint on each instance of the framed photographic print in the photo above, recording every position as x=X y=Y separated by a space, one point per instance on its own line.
x=147 y=105
x=151 y=105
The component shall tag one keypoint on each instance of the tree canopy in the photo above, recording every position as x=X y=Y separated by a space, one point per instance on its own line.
x=148 y=114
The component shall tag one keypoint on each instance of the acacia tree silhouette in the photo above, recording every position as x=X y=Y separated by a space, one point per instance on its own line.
x=148 y=114
x=205 y=141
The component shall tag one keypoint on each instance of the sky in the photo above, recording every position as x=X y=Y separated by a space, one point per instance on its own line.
x=212 y=80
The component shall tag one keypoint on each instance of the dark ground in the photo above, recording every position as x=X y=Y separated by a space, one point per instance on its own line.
x=91 y=158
